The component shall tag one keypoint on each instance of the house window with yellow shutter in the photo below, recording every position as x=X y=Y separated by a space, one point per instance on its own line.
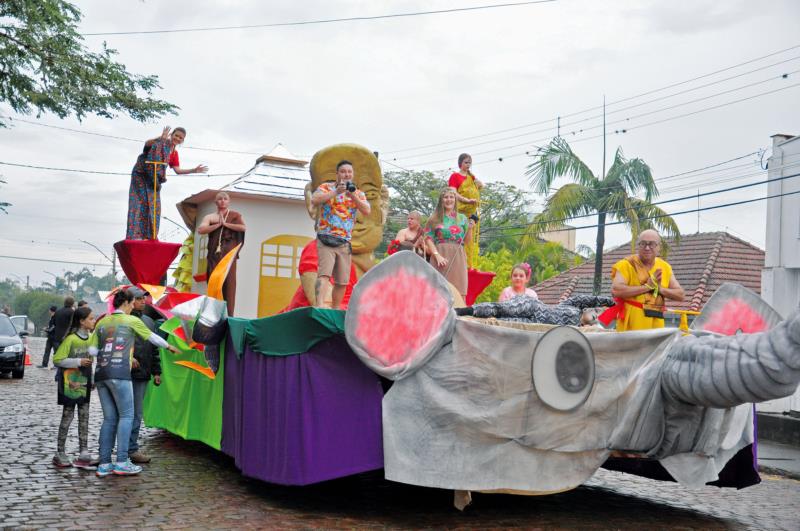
x=202 y=255
x=278 y=277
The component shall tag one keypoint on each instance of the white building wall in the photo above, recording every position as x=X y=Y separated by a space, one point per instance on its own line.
x=780 y=278
x=265 y=217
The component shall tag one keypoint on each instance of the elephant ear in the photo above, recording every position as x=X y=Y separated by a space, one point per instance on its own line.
x=734 y=308
x=400 y=314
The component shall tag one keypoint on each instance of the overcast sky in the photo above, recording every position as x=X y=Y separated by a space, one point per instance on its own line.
x=402 y=83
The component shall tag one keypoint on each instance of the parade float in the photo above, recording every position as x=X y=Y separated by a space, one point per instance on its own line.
x=474 y=404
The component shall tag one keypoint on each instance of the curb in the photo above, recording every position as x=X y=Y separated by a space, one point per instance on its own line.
x=778 y=472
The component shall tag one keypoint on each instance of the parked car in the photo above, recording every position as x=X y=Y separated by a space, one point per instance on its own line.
x=12 y=348
x=23 y=322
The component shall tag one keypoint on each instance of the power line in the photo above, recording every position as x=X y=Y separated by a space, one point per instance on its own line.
x=661 y=98
x=322 y=21
x=782 y=76
x=54 y=261
x=128 y=139
x=97 y=172
x=621 y=131
x=609 y=104
x=666 y=201
x=691 y=211
x=622 y=120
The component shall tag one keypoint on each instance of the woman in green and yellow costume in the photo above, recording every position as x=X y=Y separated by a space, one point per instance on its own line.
x=468 y=189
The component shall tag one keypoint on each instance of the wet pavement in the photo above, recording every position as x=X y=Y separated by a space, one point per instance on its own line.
x=189 y=485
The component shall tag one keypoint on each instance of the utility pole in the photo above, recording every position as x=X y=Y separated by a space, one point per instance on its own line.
x=112 y=260
x=114 y=265
x=603 y=176
x=698 y=211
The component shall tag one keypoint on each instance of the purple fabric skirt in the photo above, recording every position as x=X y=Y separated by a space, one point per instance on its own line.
x=297 y=420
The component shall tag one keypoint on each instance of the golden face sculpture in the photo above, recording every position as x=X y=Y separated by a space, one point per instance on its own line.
x=368 y=230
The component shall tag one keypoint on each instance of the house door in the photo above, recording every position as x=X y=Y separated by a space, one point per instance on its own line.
x=278 y=278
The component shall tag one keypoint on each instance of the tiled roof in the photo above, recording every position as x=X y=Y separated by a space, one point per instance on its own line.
x=277 y=174
x=701 y=263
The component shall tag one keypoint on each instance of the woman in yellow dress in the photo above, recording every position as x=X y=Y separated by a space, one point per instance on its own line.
x=468 y=189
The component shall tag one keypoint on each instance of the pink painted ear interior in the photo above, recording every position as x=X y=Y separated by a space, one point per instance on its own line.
x=398 y=316
x=735 y=315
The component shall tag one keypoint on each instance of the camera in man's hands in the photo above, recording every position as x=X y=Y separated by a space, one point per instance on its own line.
x=475 y=218
x=351 y=187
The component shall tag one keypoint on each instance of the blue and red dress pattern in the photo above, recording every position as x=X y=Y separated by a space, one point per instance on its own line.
x=141 y=197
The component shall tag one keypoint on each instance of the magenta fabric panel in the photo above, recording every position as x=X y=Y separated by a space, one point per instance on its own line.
x=297 y=420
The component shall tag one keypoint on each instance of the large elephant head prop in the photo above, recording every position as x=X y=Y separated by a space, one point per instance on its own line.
x=477 y=406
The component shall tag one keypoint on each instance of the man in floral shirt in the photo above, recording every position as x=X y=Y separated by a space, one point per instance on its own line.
x=340 y=202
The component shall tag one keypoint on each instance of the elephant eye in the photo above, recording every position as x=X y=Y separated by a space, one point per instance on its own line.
x=563 y=368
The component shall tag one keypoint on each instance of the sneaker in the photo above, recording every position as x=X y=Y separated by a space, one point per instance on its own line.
x=139 y=457
x=126 y=469
x=61 y=460
x=41 y=366
x=104 y=470
x=85 y=462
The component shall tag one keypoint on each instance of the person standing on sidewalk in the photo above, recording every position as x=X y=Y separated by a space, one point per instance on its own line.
x=112 y=343
x=48 y=346
x=62 y=320
x=74 y=380
x=146 y=363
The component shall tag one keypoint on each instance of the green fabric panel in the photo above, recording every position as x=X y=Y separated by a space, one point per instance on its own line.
x=187 y=403
x=237 y=328
x=293 y=332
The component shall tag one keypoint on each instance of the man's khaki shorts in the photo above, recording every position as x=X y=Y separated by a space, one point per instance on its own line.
x=334 y=262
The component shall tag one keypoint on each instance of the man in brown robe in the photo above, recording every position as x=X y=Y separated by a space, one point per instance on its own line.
x=225 y=229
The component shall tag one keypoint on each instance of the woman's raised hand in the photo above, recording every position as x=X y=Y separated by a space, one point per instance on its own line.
x=165 y=133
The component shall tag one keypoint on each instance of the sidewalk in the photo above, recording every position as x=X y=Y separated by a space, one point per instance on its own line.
x=778 y=459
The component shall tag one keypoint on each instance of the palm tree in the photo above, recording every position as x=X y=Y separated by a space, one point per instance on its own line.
x=612 y=195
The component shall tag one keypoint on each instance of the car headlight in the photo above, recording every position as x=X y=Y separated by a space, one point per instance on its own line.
x=14 y=348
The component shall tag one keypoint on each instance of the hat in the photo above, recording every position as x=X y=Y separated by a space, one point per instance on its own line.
x=137 y=292
x=53 y=308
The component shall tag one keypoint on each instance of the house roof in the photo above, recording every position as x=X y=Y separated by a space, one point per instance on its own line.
x=701 y=263
x=277 y=174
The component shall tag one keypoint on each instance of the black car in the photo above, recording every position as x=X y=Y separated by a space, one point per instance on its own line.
x=12 y=348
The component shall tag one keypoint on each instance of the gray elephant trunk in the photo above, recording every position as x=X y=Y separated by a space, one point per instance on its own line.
x=726 y=371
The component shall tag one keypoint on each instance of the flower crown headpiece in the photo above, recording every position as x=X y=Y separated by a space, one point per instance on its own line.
x=525 y=266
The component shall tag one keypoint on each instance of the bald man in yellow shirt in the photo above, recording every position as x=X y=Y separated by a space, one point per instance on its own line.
x=641 y=283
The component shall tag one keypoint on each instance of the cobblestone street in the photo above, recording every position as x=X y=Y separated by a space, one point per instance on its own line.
x=188 y=485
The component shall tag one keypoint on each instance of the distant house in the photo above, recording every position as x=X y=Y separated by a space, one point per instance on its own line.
x=701 y=263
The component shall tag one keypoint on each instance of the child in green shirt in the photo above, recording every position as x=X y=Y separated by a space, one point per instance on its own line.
x=74 y=380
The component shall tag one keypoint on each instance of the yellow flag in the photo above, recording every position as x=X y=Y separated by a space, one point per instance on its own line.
x=220 y=273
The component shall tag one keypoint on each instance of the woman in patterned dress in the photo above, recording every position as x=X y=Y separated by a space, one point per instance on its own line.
x=141 y=200
x=445 y=234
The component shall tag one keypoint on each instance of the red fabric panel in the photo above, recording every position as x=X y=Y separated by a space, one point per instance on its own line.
x=174 y=161
x=309 y=263
x=308 y=258
x=477 y=281
x=146 y=261
x=170 y=300
x=456 y=180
